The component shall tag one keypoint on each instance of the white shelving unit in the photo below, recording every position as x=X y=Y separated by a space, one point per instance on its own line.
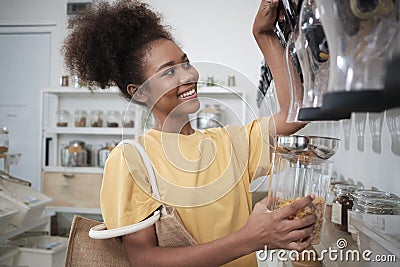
x=62 y=183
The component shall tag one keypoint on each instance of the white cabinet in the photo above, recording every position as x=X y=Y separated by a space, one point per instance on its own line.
x=76 y=189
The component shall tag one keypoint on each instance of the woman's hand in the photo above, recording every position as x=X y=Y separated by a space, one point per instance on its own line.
x=275 y=230
x=266 y=17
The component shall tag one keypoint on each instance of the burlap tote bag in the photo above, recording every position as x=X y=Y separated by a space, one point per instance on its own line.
x=84 y=251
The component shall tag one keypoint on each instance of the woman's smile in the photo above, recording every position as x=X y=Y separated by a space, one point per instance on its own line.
x=189 y=94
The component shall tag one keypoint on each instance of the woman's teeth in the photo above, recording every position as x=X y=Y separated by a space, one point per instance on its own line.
x=188 y=93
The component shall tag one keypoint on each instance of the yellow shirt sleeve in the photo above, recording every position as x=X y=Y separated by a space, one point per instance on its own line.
x=125 y=192
x=259 y=147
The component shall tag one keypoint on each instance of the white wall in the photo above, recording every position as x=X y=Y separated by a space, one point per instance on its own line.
x=39 y=13
x=218 y=32
x=370 y=168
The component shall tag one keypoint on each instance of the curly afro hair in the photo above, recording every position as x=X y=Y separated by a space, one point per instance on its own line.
x=107 y=44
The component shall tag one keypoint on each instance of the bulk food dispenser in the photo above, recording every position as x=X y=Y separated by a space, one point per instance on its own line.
x=301 y=167
x=360 y=36
x=343 y=53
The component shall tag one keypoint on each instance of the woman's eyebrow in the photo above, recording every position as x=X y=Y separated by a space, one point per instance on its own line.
x=172 y=63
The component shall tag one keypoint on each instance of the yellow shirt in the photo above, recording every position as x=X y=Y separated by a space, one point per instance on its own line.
x=206 y=176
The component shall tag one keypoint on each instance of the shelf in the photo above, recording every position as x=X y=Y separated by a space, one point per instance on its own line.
x=71 y=170
x=378 y=240
x=329 y=238
x=53 y=209
x=82 y=90
x=89 y=130
x=14 y=231
x=115 y=90
x=203 y=90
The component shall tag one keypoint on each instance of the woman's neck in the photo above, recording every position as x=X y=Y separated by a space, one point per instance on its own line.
x=174 y=124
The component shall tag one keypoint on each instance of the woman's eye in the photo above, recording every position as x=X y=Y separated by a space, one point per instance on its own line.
x=169 y=71
x=186 y=65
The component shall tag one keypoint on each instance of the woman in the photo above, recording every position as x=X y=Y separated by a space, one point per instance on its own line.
x=125 y=44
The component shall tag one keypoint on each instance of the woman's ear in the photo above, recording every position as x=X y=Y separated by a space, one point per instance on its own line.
x=137 y=93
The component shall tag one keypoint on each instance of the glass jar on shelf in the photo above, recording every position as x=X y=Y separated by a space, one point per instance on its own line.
x=331 y=196
x=75 y=154
x=104 y=152
x=80 y=118
x=113 y=118
x=129 y=118
x=63 y=118
x=212 y=116
x=341 y=205
x=96 y=118
x=4 y=141
x=375 y=207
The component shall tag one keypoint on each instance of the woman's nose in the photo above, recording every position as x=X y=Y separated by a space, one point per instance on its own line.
x=188 y=74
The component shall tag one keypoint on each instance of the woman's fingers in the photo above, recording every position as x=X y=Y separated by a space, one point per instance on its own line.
x=301 y=234
x=295 y=206
x=300 y=246
x=303 y=222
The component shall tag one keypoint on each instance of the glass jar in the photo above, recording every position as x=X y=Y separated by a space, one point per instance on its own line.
x=4 y=141
x=296 y=176
x=96 y=118
x=80 y=118
x=63 y=118
x=211 y=116
x=129 y=119
x=375 y=207
x=104 y=152
x=75 y=154
x=330 y=197
x=113 y=118
x=375 y=202
x=379 y=206
x=341 y=204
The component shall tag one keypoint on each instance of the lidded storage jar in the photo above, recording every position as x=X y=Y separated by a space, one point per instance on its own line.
x=113 y=118
x=300 y=168
x=75 y=154
x=104 y=152
x=298 y=176
x=129 y=118
x=63 y=118
x=211 y=116
x=80 y=118
x=341 y=204
x=4 y=140
x=376 y=202
x=96 y=118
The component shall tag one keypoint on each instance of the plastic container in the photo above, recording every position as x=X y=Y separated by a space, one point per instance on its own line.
x=7 y=211
x=40 y=251
x=7 y=255
x=296 y=176
x=29 y=202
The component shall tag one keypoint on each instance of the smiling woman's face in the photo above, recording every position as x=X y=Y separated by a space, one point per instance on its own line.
x=171 y=83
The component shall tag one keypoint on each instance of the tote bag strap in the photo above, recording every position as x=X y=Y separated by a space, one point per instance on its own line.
x=147 y=163
x=100 y=231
